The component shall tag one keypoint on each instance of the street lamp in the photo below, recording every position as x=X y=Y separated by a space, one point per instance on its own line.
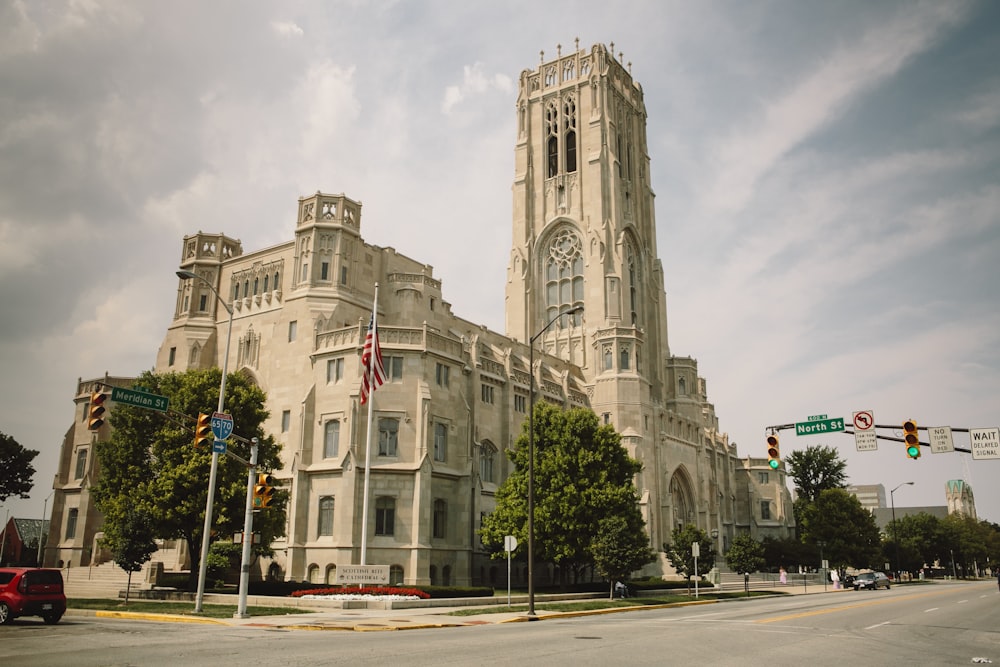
x=895 y=528
x=41 y=528
x=531 y=459
x=206 y=534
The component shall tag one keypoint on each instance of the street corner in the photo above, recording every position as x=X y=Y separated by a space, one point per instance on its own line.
x=163 y=618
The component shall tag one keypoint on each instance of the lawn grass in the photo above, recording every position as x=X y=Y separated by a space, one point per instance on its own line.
x=178 y=608
x=605 y=603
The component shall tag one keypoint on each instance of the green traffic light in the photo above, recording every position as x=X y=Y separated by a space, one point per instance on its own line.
x=773 y=463
x=913 y=451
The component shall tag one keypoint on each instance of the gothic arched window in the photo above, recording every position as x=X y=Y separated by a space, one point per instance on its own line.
x=564 y=275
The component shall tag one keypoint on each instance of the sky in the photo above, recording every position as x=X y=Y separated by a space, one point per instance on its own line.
x=827 y=181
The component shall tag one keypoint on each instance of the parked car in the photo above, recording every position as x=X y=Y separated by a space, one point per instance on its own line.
x=871 y=581
x=31 y=591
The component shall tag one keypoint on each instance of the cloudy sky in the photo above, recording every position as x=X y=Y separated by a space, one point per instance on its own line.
x=827 y=179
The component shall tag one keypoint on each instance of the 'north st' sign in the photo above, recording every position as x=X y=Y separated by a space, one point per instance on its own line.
x=819 y=426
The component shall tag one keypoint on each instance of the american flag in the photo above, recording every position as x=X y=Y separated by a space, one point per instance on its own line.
x=371 y=362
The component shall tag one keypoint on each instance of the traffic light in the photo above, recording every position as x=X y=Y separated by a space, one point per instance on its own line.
x=203 y=431
x=95 y=417
x=773 y=453
x=911 y=438
x=263 y=491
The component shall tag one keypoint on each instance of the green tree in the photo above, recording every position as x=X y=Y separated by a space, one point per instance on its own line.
x=150 y=461
x=130 y=537
x=678 y=551
x=582 y=475
x=845 y=530
x=745 y=555
x=620 y=548
x=786 y=552
x=814 y=469
x=919 y=538
x=16 y=470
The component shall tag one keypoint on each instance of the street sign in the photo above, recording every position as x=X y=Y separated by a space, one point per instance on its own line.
x=363 y=574
x=985 y=443
x=140 y=399
x=696 y=549
x=940 y=439
x=865 y=439
x=218 y=446
x=509 y=543
x=819 y=426
x=222 y=425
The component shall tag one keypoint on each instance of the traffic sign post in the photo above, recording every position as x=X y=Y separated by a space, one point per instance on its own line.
x=509 y=544
x=940 y=439
x=222 y=425
x=865 y=439
x=985 y=443
x=818 y=426
x=140 y=399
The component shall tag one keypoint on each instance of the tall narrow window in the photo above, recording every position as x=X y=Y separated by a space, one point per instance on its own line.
x=633 y=282
x=569 y=125
x=441 y=374
x=71 y=518
x=324 y=270
x=624 y=360
x=487 y=458
x=326 y=516
x=331 y=438
x=388 y=433
x=334 y=370
x=552 y=141
x=293 y=328
x=173 y=356
x=765 y=510
x=286 y=420
x=440 y=441
x=564 y=276
x=440 y=518
x=487 y=393
x=385 y=515
x=81 y=463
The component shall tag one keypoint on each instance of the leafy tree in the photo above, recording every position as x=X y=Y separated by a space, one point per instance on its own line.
x=678 y=551
x=150 y=462
x=582 y=475
x=620 y=548
x=131 y=538
x=966 y=540
x=745 y=555
x=847 y=531
x=16 y=470
x=920 y=540
x=787 y=552
x=815 y=469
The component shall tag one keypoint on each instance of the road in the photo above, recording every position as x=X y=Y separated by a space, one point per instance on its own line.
x=941 y=624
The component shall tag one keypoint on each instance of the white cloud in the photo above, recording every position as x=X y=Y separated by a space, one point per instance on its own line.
x=287 y=28
x=474 y=82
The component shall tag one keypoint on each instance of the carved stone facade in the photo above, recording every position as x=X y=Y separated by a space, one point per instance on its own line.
x=457 y=393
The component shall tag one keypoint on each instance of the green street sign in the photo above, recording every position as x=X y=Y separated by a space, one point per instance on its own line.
x=139 y=399
x=819 y=426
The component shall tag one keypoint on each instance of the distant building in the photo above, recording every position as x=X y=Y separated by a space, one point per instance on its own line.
x=19 y=541
x=958 y=495
x=871 y=496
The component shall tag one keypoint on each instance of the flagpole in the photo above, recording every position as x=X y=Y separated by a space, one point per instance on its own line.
x=368 y=443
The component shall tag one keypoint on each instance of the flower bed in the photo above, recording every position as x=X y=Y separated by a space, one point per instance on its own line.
x=361 y=593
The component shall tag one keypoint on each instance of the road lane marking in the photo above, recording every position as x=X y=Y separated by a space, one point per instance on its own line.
x=846 y=607
x=962 y=601
x=877 y=625
x=931 y=609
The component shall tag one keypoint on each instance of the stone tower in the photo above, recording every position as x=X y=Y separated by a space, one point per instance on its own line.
x=584 y=234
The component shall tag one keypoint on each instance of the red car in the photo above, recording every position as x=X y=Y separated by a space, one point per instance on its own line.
x=31 y=591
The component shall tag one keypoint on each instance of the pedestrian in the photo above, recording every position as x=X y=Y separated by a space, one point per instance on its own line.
x=782 y=575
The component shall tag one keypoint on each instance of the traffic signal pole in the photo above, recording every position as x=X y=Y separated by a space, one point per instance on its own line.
x=241 y=609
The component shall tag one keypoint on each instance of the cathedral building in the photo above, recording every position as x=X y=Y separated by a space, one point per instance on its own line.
x=456 y=394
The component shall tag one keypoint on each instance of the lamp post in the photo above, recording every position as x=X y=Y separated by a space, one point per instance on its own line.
x=41 y=528
x=895 y=529
x=531 y=459
x=206 y=533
